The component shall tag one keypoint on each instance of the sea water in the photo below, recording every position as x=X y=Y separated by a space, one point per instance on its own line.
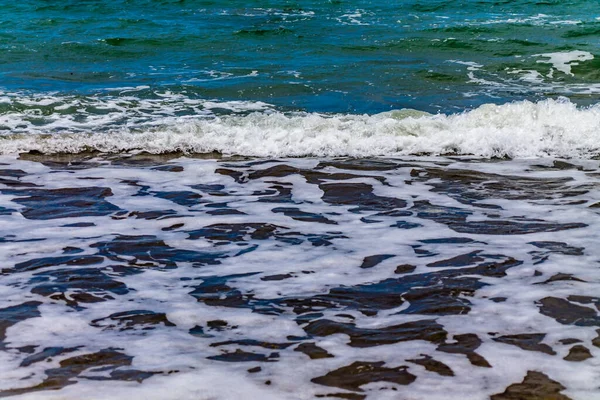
x=297 y=200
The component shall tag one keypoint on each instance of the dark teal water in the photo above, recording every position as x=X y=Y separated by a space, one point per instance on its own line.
x=333 y=56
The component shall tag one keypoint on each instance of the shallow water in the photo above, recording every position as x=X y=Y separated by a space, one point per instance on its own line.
x=177 y=277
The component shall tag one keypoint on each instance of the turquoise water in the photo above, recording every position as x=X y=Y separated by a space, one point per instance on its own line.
x=73 y=69
x=334 y=56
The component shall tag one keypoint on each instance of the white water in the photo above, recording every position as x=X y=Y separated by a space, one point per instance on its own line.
x=164 y=290
x=175 y=123
x=563 y=61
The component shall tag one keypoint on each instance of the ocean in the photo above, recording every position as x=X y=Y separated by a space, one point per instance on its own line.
x=294 y=200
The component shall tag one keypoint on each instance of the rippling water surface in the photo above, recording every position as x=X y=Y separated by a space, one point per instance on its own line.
x=298 y=200
x=336 y=56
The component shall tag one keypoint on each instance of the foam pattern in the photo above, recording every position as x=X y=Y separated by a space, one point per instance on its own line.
x=165 y=277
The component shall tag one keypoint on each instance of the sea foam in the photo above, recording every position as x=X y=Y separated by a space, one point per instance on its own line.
x=517 y=130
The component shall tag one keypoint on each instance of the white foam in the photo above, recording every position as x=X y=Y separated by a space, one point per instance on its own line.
x=472 y=66
x=164 y=291
x=563 y=61
x=530 y=76
x=519 y=129
x=353 y=17
x=536 y=20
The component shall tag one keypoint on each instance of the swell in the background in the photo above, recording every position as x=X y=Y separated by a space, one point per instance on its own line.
x=362 y=56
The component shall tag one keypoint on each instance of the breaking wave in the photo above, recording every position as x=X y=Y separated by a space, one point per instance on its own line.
x=174 y=123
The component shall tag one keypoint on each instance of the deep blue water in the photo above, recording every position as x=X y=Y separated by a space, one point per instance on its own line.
x=360 y=56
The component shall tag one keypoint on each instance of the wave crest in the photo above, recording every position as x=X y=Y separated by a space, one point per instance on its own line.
x=516 y=130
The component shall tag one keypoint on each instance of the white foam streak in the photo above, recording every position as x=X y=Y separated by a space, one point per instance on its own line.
x=564 y=61
x=520 y=129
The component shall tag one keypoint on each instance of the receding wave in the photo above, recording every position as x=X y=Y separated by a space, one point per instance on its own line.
x=174 y=124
